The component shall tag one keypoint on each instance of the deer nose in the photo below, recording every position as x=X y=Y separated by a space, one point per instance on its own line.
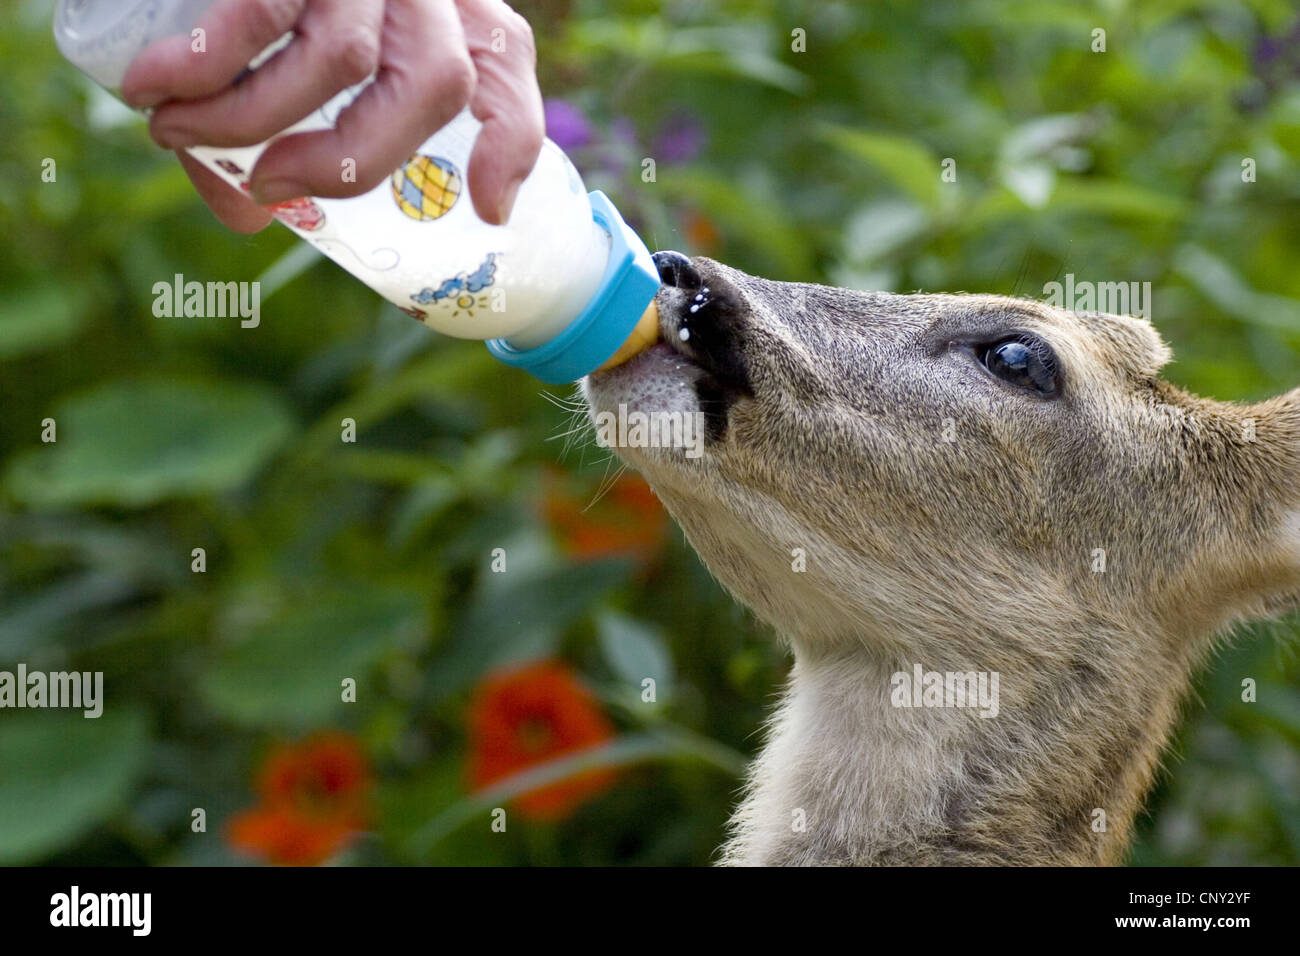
x=676 y=270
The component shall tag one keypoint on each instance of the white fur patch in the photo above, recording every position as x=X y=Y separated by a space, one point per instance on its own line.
x=1291 y=533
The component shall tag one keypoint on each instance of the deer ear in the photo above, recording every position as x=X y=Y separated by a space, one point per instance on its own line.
x=1132 y=342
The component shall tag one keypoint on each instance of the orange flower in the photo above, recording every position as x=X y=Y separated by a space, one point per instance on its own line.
x=312 y=799
x=531 y=715
x=627 y=520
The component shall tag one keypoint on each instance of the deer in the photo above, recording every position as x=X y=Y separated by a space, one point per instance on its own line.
x=958 y=484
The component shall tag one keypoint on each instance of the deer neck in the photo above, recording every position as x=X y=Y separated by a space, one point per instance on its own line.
x=853 y=775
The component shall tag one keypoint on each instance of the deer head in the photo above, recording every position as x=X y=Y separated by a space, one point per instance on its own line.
x=969 y=482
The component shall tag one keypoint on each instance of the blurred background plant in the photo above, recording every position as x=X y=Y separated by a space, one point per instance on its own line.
x=373 y=560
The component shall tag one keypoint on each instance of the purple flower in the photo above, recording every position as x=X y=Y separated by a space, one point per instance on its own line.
x=1266 y=49
x=565 y=124
x=623 y=130
x=680 y=139
x=1283 y=47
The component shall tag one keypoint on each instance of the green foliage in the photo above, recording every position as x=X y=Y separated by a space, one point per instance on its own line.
x=200 y=439
x=285 y=674
x=63 y=773
x=372 y=559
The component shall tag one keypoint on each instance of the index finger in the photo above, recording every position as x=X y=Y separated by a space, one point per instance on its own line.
x=182 y=67
x=506 y=100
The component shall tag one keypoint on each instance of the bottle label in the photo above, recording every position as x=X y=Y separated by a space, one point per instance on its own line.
x=367 y=235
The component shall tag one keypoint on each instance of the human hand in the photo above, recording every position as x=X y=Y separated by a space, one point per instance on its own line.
x=430 y=58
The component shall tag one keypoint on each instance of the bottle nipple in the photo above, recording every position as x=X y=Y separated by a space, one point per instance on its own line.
x=644 y=335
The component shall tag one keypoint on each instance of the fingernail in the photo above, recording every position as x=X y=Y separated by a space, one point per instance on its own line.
x=508 y=202
x=174 y=138
x=277 y=190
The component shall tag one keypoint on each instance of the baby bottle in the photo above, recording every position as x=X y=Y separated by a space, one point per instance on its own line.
x=562 y=289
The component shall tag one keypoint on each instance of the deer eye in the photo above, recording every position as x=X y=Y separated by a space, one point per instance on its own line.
x=1024 y=361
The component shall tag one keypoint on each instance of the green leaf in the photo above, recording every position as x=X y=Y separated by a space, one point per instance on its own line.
x=41 y=618
x=520 y=617
x=662 y=744
x=737 y=49
x=137 y=443
x=1225 y=287
x=61 y=773
x=35 y=319
x=289 y=671
x=1043 y=136
x=1031 y=182
x=880 y=229
x=635 y=651
x=420 y=507
x=1116 y=199
x=909 y=164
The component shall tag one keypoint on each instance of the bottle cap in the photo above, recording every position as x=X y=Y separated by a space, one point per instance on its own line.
x=627 y=288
